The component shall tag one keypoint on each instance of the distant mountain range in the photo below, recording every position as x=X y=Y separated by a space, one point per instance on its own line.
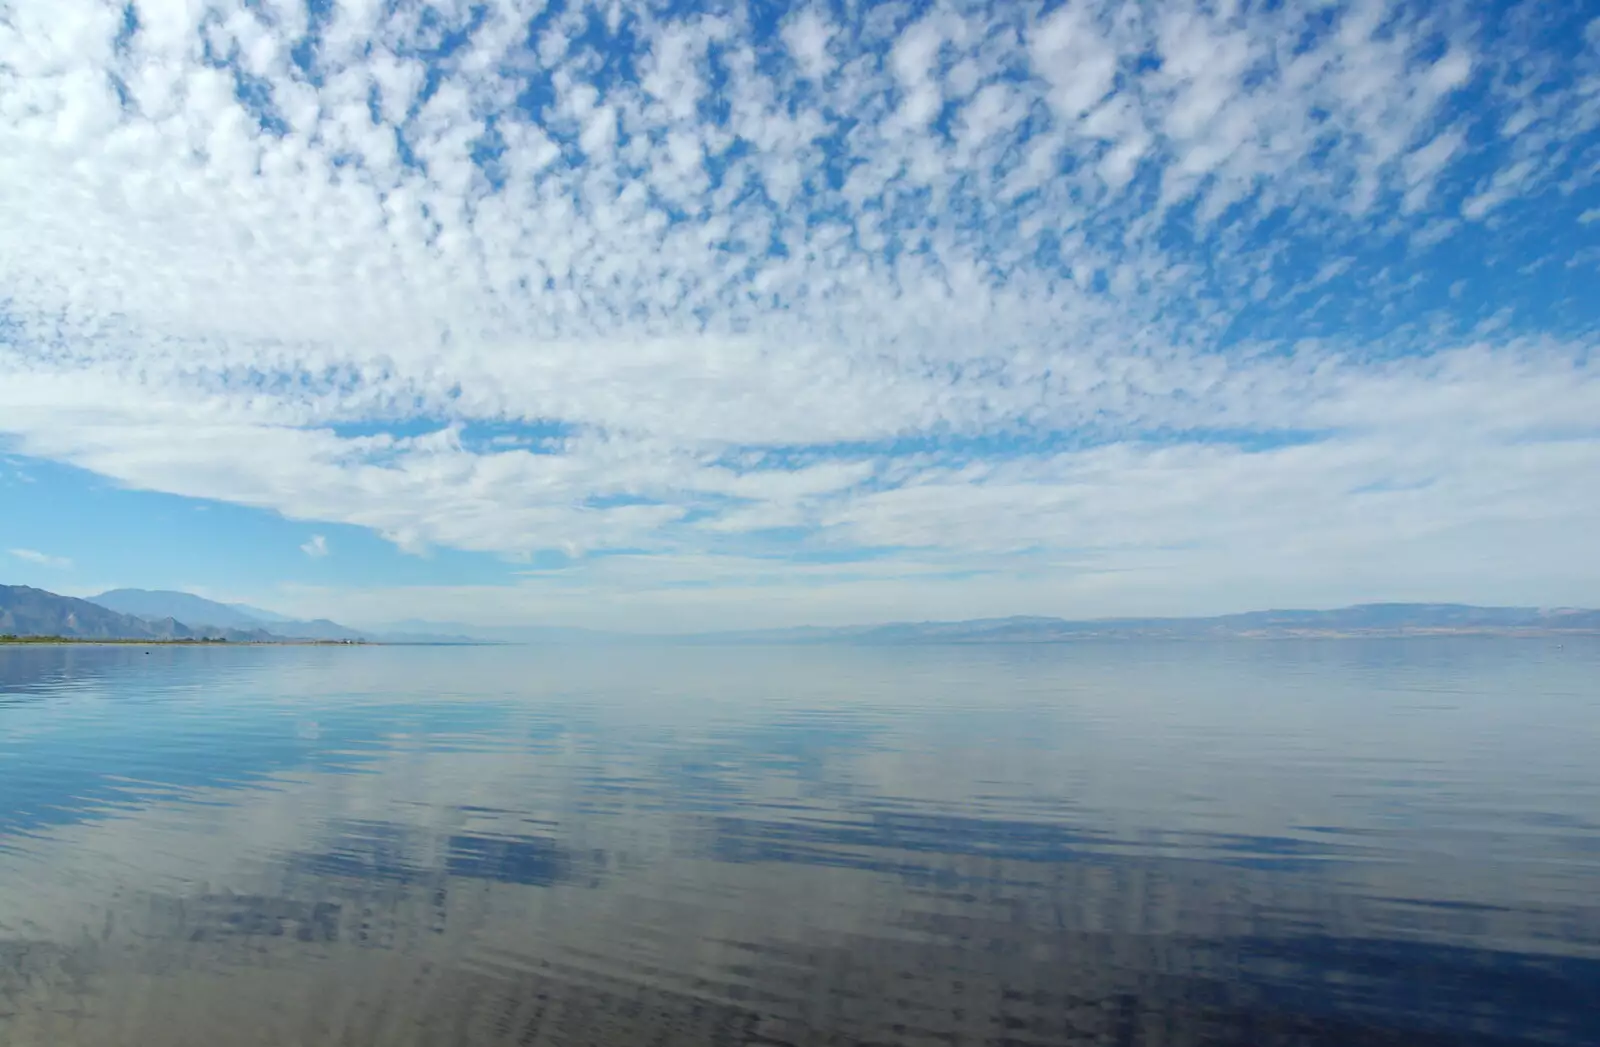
x=158 y=615
x=33 y=612
x=197 y=611
x=1363 y=620
x=139 y=614
x=537 y=635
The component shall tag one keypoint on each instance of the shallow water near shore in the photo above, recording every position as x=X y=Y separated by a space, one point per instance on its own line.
x=1321 y=842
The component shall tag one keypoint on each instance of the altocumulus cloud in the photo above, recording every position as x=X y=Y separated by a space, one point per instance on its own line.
x=1083 y=306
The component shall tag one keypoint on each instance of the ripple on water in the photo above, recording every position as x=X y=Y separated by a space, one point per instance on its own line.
x=1177 y=844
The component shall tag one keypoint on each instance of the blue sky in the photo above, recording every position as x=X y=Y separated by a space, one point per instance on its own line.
x=690 y=315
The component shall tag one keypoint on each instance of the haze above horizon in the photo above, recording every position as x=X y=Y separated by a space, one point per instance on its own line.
x=746 y=316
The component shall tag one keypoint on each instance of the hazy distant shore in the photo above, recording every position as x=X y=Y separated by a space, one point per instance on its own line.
x=181 y=642
x=29 y=615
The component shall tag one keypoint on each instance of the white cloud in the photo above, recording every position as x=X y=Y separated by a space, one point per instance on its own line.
x=807 y=36
x=804 y=302
x=1506 y=184
x=1070 y=54
x=316 y=547
x=39 y=559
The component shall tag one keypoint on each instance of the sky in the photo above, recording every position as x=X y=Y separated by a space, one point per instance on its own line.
x=673 y=316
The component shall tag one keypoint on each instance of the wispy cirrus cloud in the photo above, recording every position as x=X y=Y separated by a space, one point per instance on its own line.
x=954 y=283
x=316 y=547
x=38 y=559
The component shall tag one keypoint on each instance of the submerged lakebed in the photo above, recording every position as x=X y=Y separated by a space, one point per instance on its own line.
x=1320 y=842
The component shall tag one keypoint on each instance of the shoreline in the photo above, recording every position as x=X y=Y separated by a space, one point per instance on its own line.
x=62 y=641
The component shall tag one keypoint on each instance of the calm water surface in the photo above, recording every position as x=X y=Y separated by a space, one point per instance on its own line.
x=1244 y=843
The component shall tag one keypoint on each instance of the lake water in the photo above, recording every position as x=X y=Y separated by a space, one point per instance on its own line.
x=1329 y=843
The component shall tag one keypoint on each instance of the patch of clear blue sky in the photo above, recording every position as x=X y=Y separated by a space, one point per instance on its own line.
x=162 y=541
x=545 y=437
x=536 y=436
x=1386 y=287
x=1000 y=446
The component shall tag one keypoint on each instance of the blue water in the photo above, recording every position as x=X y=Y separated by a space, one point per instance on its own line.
x=1253 y=842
